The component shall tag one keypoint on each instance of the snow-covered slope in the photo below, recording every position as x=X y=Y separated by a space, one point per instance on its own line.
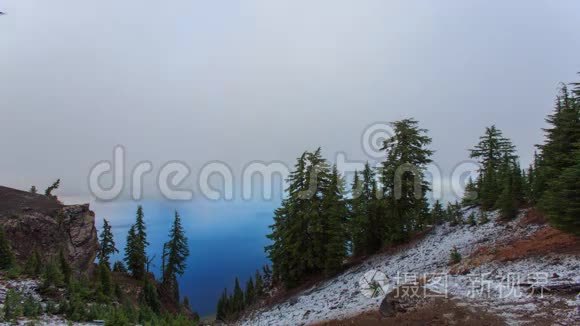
x=493 y=285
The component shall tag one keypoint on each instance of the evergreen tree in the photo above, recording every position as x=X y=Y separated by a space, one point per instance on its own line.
x=54 y=186
x=290 y=237
x=557 y=163
x=250 y=295
x=186 y=303
x=135 y=254
x=6 y=254
x=491 y=151
x=221 y=310
x=176 y=251
x=403 y=179
x=562 y=200
x=65 y=267
x=105 y=279
x=33 y=266
x=334 y=211
x=237 y=298
x=12 y=307
x=470 y=195
x=437 y=213
x=358 y=219
x=119 y=267
x=140 y=227
x=149 y=296
x=106 y=244
x=33 y=190
x=259 y=286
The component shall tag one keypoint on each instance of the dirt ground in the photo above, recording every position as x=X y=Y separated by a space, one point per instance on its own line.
x=438 y=312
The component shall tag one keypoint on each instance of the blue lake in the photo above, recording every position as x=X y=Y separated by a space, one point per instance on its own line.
x=226 y=239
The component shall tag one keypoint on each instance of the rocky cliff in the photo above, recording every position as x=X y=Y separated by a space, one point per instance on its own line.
x=36 y=222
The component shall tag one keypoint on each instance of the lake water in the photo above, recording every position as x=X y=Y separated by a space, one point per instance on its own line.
x=226 y=239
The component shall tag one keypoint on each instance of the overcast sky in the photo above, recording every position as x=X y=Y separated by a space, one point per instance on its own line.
x=239 y=81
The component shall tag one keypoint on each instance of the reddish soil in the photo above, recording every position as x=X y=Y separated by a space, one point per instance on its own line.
x=438 y=312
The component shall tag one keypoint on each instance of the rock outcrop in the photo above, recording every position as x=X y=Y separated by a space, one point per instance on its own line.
x=36 y=222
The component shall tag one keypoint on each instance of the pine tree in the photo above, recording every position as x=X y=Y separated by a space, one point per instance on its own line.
x=49 y=190
x=437 y=213
x=250 y=295
x=290 y=236
x=65 y=267
x=491 y=151
x=106 y=244
x=105 y=279
x=119 y=267
x=237 y=298
x=135 y=254
x=368 y=223
x=557 y=163
x=562 y=200
x=149 y=296
x=33 y=190
x=405 y=187
x=470 y=195
x=358 y=220
x=222 y=305
x=176 y=253
x=334 y=212
x=186 y=303
x=140 y=227
x=259 y=286
x=33 y=266
x=6 y=254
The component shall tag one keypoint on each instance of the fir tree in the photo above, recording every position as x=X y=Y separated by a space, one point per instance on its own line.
x=557 y=163
x=54 y=186
x=562 y=200
x=106 y=285
x=176 y=253
x=358 y=224
x=437 y=213
x=106 y=244
x=135 y=254
x=237 y=298
x=6 y=254
x=33 y=266
x=259 y=286
x=250 y=295
x=65 y=267
x=290 y=236
x=491 y=151
x=12 y=307
x=470 y=195
x=222 y=306
x=334 y=212
x=149 y=296
x=405 y=187
x=119 y=267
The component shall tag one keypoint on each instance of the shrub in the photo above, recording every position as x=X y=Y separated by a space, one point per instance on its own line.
x=12 y=305
x=455 y=256
x=471 y=219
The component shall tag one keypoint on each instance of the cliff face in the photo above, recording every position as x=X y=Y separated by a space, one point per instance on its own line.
x=36 y=222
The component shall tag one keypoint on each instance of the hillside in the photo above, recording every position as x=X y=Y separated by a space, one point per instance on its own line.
x=49 y=275
x=507 y=254
x=34 y=222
